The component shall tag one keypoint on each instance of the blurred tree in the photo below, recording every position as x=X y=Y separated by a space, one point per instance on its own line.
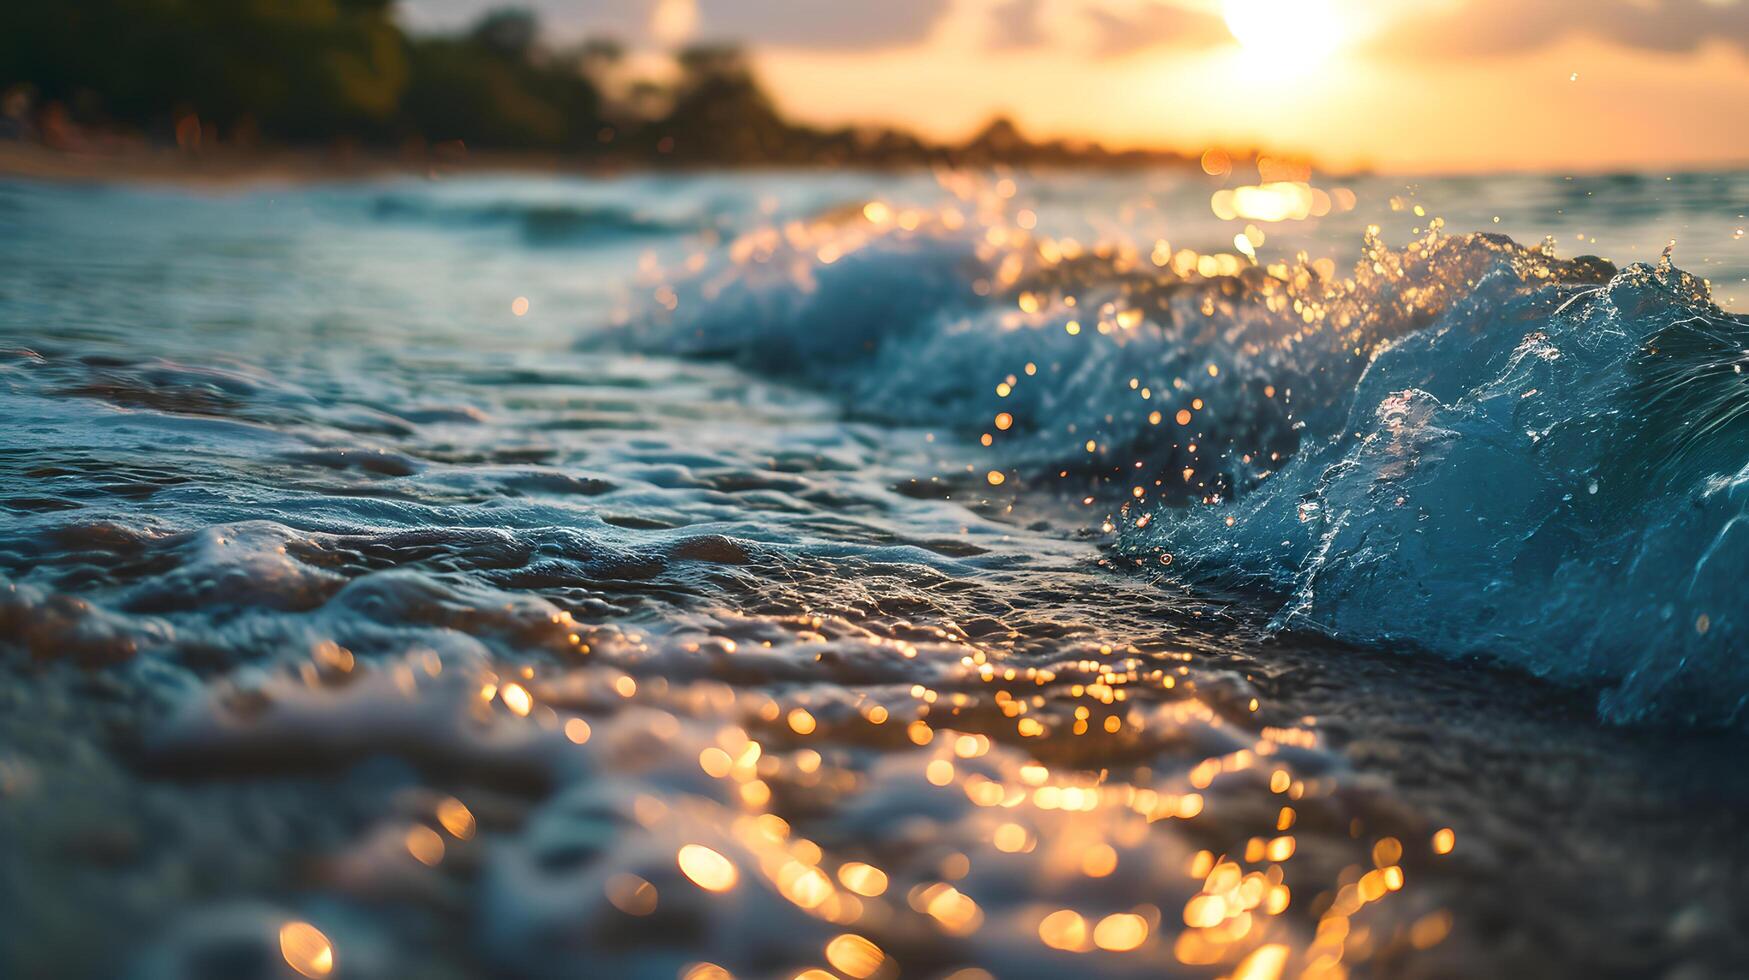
x=510 y=33
x=720 y=113
x=461 y=92
x=492 y=89
x=305 y=70
x=600 y=54
x=296 y=67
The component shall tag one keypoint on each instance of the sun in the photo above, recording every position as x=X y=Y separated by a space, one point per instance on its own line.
x=1282 y=34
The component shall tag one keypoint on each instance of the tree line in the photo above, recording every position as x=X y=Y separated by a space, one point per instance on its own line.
x=318 y=71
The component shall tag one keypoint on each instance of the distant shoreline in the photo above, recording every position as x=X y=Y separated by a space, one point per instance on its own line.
x=135 y=162
x=112 y=160
x=143 y=164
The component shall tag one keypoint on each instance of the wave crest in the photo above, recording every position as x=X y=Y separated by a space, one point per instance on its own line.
x=1558 y=481
x=1464 y=445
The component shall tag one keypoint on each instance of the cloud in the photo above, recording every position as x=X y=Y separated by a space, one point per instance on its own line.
x=854 y=25
x=566 y=19
x=1485 y=27
x=815 y=24
x=1155 y=25
x=1417 y=28
x=1104 y=27
x=1015 y=24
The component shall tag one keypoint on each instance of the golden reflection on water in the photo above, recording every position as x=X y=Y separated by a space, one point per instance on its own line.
x=1119 y=292
x=456 y=818
x=1113 y=811
x=1048 y=777
x=707 y=869
x=306 y=949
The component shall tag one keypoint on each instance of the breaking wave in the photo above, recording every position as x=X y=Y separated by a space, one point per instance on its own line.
x=1465 y=446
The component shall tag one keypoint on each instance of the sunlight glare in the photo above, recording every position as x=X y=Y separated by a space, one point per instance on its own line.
x=1278 y=35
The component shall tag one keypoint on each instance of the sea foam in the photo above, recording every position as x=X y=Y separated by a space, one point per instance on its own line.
x=1464 y=446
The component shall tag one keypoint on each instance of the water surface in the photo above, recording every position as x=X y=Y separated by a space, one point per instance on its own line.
x=754 y=575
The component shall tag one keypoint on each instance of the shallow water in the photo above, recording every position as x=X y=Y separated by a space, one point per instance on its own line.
x=685 y=622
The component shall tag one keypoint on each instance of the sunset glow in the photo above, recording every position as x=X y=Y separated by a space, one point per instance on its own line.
x=713 y=489
x=1460 y=85
x=1283 y=35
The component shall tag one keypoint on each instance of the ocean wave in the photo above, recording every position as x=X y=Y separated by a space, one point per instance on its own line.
x=537 y=223
x=1557 y=481
x=1465 y=445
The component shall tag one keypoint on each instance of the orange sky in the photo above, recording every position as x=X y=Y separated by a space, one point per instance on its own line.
x=1357 y=106
x=1394 y=84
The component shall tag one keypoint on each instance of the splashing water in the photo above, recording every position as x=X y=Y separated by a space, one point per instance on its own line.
x=1441 y=411
x=397 y=581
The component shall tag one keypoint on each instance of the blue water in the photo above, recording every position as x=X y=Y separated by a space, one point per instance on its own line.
x=845 y=527
x=1556 y=475
x=1485 y=449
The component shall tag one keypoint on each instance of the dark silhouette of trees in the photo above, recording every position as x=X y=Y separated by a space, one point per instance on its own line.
x=720 y=113
x=509 y=33
x=300 y=71
x=495 y=88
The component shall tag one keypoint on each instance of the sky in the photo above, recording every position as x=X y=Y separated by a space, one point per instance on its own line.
x=1396 y=85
